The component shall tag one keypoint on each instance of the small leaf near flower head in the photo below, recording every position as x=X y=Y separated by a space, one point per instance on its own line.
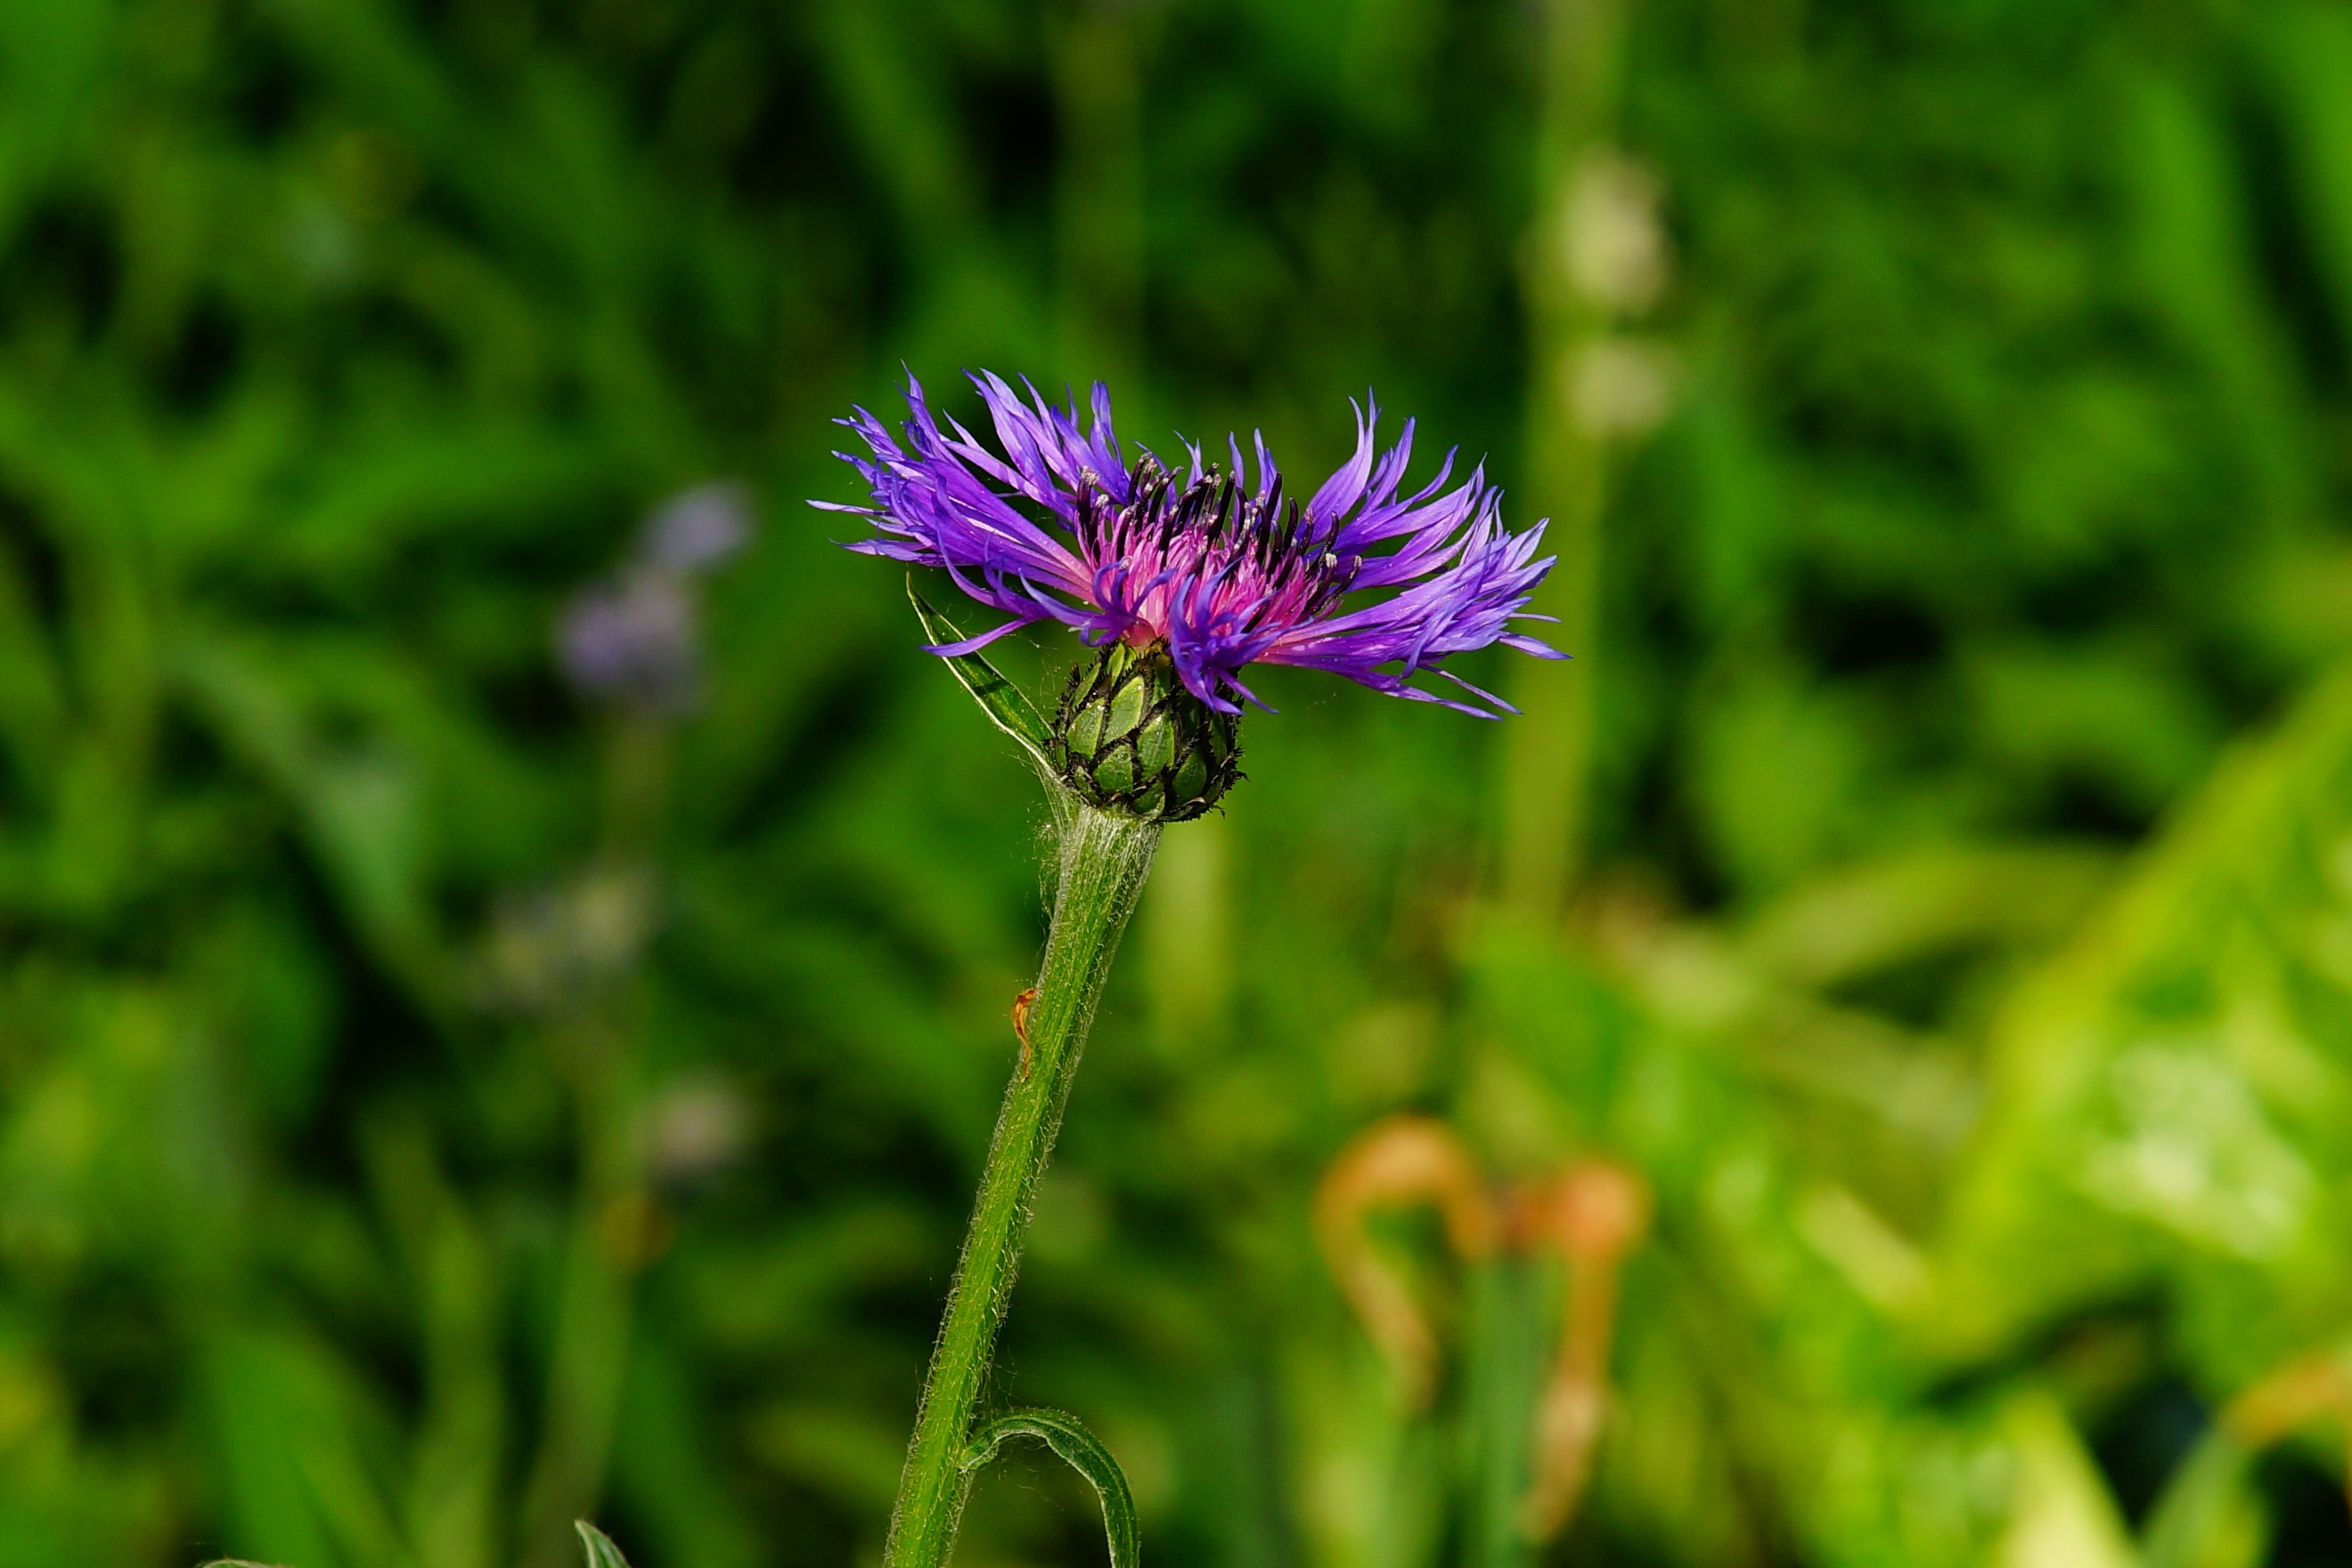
x=1007 y=706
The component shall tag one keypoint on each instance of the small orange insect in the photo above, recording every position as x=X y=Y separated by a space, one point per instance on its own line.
x=1021 y=1024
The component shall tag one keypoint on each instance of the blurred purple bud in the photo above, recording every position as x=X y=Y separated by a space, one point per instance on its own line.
x=633 y=641
x=698 y=528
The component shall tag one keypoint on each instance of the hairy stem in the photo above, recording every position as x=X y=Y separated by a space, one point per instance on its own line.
x=1103 y=861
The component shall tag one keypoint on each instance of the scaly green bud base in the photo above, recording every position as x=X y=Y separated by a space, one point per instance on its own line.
x=1129 y=738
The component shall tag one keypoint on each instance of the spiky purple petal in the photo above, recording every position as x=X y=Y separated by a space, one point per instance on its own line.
x=1055 y=523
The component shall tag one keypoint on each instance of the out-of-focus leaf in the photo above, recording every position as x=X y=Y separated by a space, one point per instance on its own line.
x=2169 y=1101
x=2307 y=50
x=290 y=1433
x=2061 y=1514
x=2209 y=1516
x=361 y=801
x=849 y=1453
x=1890 y=911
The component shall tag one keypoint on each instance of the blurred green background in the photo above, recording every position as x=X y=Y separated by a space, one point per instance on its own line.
x=437 y=1099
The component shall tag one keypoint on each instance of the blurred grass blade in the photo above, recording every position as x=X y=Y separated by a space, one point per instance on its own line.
x=601 y=1553
x=1085 y=1452
x=1006 y=705
x=2210 y=1514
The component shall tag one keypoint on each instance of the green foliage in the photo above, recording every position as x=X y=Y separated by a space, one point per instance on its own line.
x=601 y=1553
x=435 y=1105
x=1085 y=1454
x=1007 y=706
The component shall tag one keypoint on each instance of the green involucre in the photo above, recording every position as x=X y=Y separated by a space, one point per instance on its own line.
x=1129 y=738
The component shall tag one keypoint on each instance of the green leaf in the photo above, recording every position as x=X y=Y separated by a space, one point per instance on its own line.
x=1007 y=707
x=2210 y=1514
x=601 y=1553
x=2199 y=1024
x=1063 y=1435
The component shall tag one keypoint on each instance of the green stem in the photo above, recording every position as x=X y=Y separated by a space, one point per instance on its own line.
x=1103 y=861
x=1547 y=767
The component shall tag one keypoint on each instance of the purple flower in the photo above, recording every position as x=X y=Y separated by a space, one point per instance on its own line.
x=696 y=529
x=1056 y=524
x=633 y=638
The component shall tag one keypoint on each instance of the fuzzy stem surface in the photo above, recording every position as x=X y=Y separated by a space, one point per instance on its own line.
x=1104 y=860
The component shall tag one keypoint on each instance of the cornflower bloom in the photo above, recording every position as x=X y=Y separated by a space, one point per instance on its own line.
x=1185 y=574
x=634 y=638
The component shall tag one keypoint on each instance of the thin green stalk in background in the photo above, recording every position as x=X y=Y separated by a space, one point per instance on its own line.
x=599 y=1053
x=1098 y=189
x=1547 y=767
x=1103 y=861
x=591 y=1349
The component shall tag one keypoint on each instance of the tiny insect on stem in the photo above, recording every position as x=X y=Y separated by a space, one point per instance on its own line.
x=1021 y=1024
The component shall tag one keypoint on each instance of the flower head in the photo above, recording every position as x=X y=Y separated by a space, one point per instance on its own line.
x=1217 y=569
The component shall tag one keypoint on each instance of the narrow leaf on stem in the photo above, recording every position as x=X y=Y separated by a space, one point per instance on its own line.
x=1085 y=1453
x=601 y=1553
x=1005 y=704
